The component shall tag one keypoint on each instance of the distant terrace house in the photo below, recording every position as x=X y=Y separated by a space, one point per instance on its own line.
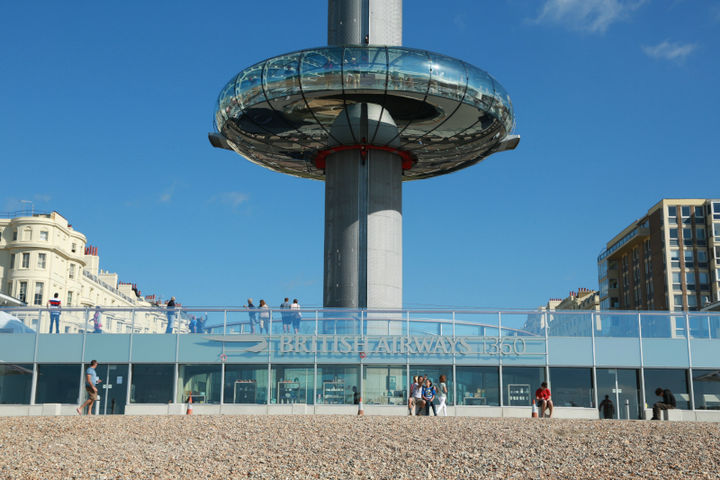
x=41 y=254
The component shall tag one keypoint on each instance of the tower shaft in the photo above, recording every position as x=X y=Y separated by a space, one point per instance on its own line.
x=363 y=191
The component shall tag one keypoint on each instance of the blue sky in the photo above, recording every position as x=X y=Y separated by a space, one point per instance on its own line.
x=105 y=109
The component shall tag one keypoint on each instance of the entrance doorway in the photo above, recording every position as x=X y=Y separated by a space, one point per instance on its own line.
x=113 y=388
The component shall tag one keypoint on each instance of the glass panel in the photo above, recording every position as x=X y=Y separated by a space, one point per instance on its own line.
x=292 y=384
x=385 y=385
x=616 y=325
x=246 y=383
x=15 y=383
x=478 y=385
x=520 y=383
x=321 y=69
x=58 y=383
x=673 y=379
x=480 y=324
x=658 y=326
x=572 y=387
x=448 y=77
x=339 y=385
x=281 y=76
x=152 y=383
x=200 y=381
x=706 y=386
x=113 y=389
x=365 y=68
x=622 y=387
x=569 y=324
x=339 y=322
x=408 y=70
x=249 y=87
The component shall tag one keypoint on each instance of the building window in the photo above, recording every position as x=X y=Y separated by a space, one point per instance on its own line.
x=572 y=387
x=74 y=247
x=689 y=258
x=702 y=258
x=72 y=270
x=44 y=235
x=15 y=234
x=58 y=383
x=69 y=299
x=17 y=383
x=246 y=383
x=22 y=294
x=478 y=386
x=42 y=260
x=292 y=384
x=673 y=379
x=716 y=230
x=25 y=260
x=337 y=384
x=151 y=383
x=38 y=300
x=200 y=381
x=12 y=260
x=620 y=385
x=699 y=212
x=519 y=384
x=706 y=389
x=685 y=212
x=672 y=212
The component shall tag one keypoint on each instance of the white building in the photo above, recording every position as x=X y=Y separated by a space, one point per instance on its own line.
x=41 y=254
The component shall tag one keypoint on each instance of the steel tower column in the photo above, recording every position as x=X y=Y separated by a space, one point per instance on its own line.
x=363 y=191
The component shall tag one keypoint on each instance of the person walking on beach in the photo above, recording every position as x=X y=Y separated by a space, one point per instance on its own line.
x=54 y=307
x=544 y=400
x=170 y=315
x=286 y=316
x=264 y=316
x=442 y=395
x=668 y=402
x=296 y=315
x=91 y=380
x=606 y=407
x=428 y=395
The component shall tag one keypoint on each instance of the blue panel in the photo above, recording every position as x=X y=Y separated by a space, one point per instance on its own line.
x=570 y=351
x=665 y=352
x=56 y=348
x=294 y=349
x=617 y=352
x=534 y=360
x=113 y=348
x=17 y=347
x=202 y=349
x=705 y=353
x=153 y=348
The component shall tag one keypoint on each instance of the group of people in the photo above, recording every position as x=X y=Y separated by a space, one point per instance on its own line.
x=260 y=316
x=423 y=396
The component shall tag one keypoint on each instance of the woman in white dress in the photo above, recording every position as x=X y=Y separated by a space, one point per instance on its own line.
x=442 y=396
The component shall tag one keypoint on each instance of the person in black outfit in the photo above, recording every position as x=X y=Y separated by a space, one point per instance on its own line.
x=667 y=403
x=607 y=409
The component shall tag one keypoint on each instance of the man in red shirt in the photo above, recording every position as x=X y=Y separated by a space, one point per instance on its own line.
x=543 y=400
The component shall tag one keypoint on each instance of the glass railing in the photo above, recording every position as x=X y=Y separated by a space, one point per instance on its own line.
x=335 y=321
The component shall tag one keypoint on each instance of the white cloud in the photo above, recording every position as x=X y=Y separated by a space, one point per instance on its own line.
x=167 y=195
x=234 y=199
x=594 y=16
x=670 y=51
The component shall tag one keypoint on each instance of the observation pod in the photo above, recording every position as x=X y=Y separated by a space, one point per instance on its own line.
x=364 y=118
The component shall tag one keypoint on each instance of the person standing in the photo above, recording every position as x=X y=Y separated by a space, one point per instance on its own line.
x=606 y=407
x=417 y=395
x=97 y=323
x=442 y=395
x=428 y=395
x=668 y=402
x=296 y=315
x=411 y=398
x=286 y=316
x=252 y=315
x=544 y=400
x=54 y=307
x=91 y=380
x=192 y=325
x=170 y=315
x=264 y=316
x=200 y=327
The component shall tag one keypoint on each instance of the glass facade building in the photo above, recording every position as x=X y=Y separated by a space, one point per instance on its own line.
x=490 y=358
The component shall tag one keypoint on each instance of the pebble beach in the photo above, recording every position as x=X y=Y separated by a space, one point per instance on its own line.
x=368 y=447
